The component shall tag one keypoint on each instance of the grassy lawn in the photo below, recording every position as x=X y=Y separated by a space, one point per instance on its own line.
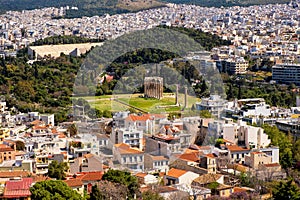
x=147 y=104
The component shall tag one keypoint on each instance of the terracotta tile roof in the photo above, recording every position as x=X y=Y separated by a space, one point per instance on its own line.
x=92 y=176
x=126 y=149
x=74 y=182
x=194 y=157
x=207 y=178
x=210 y=155
x=236 y=148
x=256 y=152
x=121 y=145
x=144 y=117
x=141 y=175
x=166 y=189
x=89 y=155
x=166 y=137
x=224 y=187
x=176 y=173
x=272 y=165
x=39 y=128
x=17 y=188
x=4 y=148
x=11 y=174
x=61 y=135
x=156 y=158
x=239 y=189
x=36 y=122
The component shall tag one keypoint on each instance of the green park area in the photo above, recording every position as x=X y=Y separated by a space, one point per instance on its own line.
x=122 y=102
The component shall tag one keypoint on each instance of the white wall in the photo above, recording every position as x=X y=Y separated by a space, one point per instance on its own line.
x=188 y=178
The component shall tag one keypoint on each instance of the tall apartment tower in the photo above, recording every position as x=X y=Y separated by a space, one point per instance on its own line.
x=153 y=87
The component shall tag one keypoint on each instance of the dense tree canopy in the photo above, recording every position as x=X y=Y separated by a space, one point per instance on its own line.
x=57 y=170
x=284 y=143
x=64 y=39
x=124 y=178
x=286 y=190
x=106 y=190
x=53 y=189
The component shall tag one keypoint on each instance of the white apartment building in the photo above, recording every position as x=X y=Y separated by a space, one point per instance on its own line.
x=130 y=136
x=214 y=104
x=236 y=66
x=129 y=157
x=243 y=134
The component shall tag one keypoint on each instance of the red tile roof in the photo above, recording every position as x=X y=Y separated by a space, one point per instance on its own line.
x=166 y=189
x=210 y=155
x=235 y=148
x=256 y=152
x=156 y=158
x=176 y=173
x=272 y=165
x=144 y=117
x=92 y=176
x=126 y=149
x=239 y=189
x=17 y=188
x=141 y=175
x=4 y=148
x=12 y=174
x=74 y=182
x=194 y=156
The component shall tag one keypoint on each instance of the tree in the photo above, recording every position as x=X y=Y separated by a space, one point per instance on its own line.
x=53 y=189
x=72 y=129
x=124 y=178
x=219 y=142
x=20 y=146
x=106 y=190
x=151 y=195
x=96 y=193
x=57 y=170
x=205 y=114
x=213 y=186
x=286 y=190
x=284 y=143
